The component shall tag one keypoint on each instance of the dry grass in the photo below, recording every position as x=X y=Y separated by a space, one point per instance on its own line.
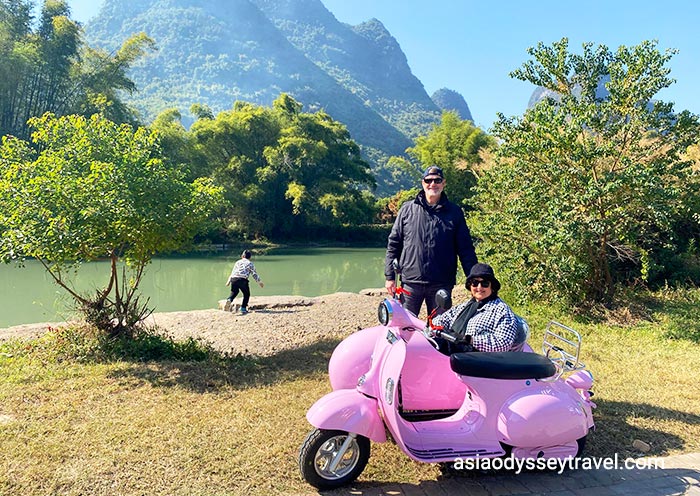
x=234 y=426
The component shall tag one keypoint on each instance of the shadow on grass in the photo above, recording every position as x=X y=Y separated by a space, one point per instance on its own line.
x=617 y=422
x=615 y=432
x=240 y=371
x=674 y=309
x=683 y=322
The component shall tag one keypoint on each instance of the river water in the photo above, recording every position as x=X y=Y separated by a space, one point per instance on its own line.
x=194 y=282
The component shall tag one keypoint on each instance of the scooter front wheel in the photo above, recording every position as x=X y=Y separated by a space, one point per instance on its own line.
x=322 y=463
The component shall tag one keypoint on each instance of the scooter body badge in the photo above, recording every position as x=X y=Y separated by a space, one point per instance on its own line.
x=389 y=391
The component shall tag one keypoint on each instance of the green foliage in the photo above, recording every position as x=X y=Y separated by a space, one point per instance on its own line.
x=152 y=345
x=96 y=190
x=243 y=51
x=391 y=173
x=179 y=146
x=283 y=169
x=100 y=78
x=36 y=65
x=351 y=208
x=86 y=344
x=50 y=69
x=454 y=145
x=585 y=184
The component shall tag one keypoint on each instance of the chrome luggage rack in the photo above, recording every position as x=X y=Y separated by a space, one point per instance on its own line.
x=565 y=343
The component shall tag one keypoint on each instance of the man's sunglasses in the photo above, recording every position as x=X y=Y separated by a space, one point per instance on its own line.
x=436 y=180
x=484 y=284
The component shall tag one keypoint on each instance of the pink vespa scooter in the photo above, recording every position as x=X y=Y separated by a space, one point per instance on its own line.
x=512 y=403
x=429 y=387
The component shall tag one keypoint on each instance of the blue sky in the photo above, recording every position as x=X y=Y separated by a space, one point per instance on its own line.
x=471 y=47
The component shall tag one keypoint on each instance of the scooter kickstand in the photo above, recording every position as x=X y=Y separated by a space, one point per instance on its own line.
x=341 y=452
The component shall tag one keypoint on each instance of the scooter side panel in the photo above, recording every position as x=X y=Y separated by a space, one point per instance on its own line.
x=394 y=356
x=430 y=441
x=553 y=414
x=352 y=357
x=427 y=381
x=350 y=411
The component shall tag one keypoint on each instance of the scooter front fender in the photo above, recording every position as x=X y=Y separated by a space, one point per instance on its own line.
x=352 y=357
x=348 y=410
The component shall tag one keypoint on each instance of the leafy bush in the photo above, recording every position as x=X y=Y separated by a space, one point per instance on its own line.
x=88 y=189
x=585 y=184
x=84 y=343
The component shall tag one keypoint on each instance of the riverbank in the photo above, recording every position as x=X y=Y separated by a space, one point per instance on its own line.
x=274 y=323
x=194 y=282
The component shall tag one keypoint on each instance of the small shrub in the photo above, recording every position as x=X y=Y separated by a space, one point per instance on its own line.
x=149 y=345
x=58 y=344
x=84 y=343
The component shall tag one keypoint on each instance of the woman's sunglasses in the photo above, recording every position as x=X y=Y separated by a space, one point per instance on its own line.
x=436 y=180
x=484 y=284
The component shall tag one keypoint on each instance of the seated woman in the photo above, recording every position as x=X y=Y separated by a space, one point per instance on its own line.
x=486 y=318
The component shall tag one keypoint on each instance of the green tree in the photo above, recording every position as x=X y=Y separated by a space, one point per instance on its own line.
x=322 y=168
x=284 y=170
x=233 y=145
x=51 y=69
x=16 y=60
x=590 y=178
x=38 y=63
x=96 y=190
x=100 y=78
x=15 y=18
x=453 y=145
x=179 y=146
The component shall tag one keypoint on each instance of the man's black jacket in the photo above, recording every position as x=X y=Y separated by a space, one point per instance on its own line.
x=427 y=242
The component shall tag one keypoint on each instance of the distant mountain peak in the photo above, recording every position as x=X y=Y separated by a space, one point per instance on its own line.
x=216 y=52
x=448 y=99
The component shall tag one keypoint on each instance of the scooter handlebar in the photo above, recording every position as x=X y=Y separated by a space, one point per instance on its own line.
x=400 y=291
x=447 y=336
x=438 y=332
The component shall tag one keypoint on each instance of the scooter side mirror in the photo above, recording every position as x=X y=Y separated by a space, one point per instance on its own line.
x=395 y=265
x=443 y=299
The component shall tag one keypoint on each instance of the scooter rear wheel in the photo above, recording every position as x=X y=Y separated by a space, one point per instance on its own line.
x=318 y=452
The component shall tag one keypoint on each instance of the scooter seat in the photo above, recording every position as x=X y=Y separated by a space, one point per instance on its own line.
x=502 y=365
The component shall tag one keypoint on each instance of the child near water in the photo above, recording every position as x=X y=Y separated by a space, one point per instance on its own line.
x=238 y=280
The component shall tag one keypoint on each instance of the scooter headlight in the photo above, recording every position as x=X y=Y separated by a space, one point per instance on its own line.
x=384 y=313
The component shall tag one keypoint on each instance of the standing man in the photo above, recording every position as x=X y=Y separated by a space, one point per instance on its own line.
x=428 y=236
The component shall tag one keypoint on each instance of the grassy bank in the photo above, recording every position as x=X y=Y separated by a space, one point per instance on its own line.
x=204 y=424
